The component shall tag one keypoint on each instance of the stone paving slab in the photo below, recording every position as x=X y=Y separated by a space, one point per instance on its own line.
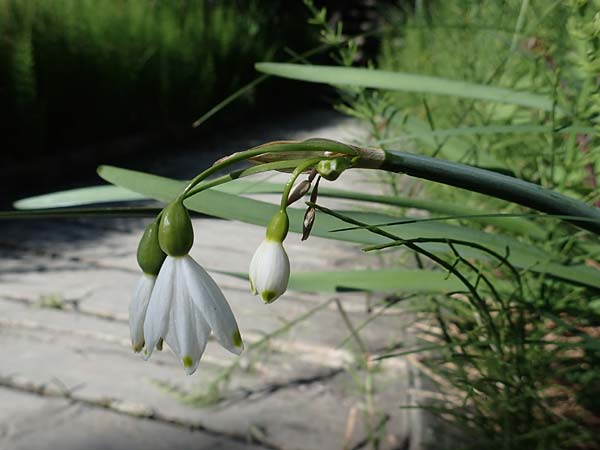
x=66 y=368
x=37 y=423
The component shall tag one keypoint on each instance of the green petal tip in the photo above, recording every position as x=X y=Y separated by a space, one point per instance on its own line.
x=268 y=296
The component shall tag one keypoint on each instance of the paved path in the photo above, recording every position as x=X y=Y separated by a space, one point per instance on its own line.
x=69 y=380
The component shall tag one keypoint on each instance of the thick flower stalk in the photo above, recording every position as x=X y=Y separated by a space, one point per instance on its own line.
x=185 y=303
x=270 y=265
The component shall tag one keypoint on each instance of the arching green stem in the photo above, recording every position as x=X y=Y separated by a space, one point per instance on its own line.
x=310 y=145
x=493 y=184
x=277 y=165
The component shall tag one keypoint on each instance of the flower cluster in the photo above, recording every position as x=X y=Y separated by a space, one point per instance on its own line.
x=176 y=301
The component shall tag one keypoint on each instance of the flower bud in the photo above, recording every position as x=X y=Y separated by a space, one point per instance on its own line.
x=175 y=233
x=278 y=227
x=299 y=191
x=331 y=169
x=307 y=223
x=310 y=214
x=149 y=254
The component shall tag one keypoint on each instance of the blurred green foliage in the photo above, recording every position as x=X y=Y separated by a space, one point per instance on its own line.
x=537 y=389
x=80 y=71
x=516 y=44
x=528 y=376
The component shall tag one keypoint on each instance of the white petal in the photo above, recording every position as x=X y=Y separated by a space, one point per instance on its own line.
x=252 y=271
x=211 y=302
x=137 y=310
x=157 y=314
x=257 y=260
x=272 y=270
x=188 y=331
x=178 y=296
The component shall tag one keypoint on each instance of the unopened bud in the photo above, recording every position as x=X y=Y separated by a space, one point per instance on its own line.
x=307 y=224
x=299 y=191
x=309 y=215
x=331 y=169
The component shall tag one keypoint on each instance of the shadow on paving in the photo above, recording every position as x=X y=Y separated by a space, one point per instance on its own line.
x=172 y=159
x=55 y=235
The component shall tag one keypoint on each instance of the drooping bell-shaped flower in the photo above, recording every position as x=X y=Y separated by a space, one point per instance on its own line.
x=186 y=303
x=150 y=259
x=270 y=266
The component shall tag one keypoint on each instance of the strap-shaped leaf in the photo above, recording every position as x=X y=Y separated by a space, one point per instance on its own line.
x=389 y=281
x=233 y=207
x=109 y=194
x=382 y=79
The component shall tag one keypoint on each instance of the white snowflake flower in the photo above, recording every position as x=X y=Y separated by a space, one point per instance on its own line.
x=186 y=304
x=270 y=266
x=269 y=270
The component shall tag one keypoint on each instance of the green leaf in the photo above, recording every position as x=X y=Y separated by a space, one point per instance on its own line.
x=514 y=224
x=232 y=207
x=381 y=79
x=388 y=281
x=148 y=185
x=62 y=213
x=78 y=197
x=108 y=194
x=427 y=134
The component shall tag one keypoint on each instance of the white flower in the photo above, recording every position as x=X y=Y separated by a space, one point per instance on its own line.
x=137 y=310
x=185 y=305
x=269 y=270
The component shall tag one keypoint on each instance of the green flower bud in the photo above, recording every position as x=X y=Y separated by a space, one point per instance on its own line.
x=278 y=227
x=149 y=254
x=331 y=169
x=175 y=233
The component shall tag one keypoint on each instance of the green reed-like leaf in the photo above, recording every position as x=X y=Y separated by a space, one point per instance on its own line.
x=388 y=281
x=78 y=197
x=382 y=79
x=105 y=194
x=233 y=207
x=484 y=130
